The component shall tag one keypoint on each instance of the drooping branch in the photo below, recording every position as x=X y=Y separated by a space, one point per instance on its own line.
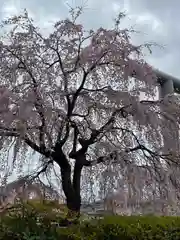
x=33 y=145
x=38 y=101
x=95 y=133
x=43 y=169
x=124 y=111
x=47 y=153
x=113 y=156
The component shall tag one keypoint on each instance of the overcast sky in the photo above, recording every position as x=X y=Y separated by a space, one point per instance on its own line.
x=157 y=21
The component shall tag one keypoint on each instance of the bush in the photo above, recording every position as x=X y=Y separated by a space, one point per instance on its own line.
x=33 y=220
x=135 y=227
x=127 y=228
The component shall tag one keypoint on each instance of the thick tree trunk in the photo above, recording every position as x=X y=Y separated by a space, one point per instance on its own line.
x=73 y=198
x=70 y=187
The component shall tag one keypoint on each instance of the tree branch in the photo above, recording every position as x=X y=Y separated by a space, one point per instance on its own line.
x=61 y=142
x=38 y=102
x=96 y=132
x=113 y=156
x=63 y=72
x=76 y=133
x=124 y=113
x=95 y=90
x=76 y=94
x=86 y=73
x=47 y=153
x=34 y=146
x=43 y=169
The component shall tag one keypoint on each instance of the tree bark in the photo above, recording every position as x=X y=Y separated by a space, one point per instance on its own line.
x=70 y=187
x=72 y=194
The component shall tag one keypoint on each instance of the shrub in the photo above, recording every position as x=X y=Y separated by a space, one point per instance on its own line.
x=28 y=221
x=135 y=227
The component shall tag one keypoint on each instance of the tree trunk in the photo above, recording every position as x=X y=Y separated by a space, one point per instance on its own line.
x=72 y=190
x=72 y=194
x=70 y=187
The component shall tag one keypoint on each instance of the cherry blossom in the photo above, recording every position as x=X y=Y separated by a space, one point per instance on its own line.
x=73 y=97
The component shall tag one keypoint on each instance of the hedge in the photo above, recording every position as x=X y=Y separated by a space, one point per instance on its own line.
x=29 y=222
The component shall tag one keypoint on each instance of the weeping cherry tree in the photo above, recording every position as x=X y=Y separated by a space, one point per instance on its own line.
x=73 y=97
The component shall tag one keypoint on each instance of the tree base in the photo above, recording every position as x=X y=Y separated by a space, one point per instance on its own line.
x=67 y=222
x=71 y=218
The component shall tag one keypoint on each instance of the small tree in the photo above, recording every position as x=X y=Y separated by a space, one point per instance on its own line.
x=73 y=97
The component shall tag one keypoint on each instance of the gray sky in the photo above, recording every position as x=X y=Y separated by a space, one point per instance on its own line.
x=157 y=20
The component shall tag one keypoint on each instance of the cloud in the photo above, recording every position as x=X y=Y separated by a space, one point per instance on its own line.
x=9 y=8
x=157 y=21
